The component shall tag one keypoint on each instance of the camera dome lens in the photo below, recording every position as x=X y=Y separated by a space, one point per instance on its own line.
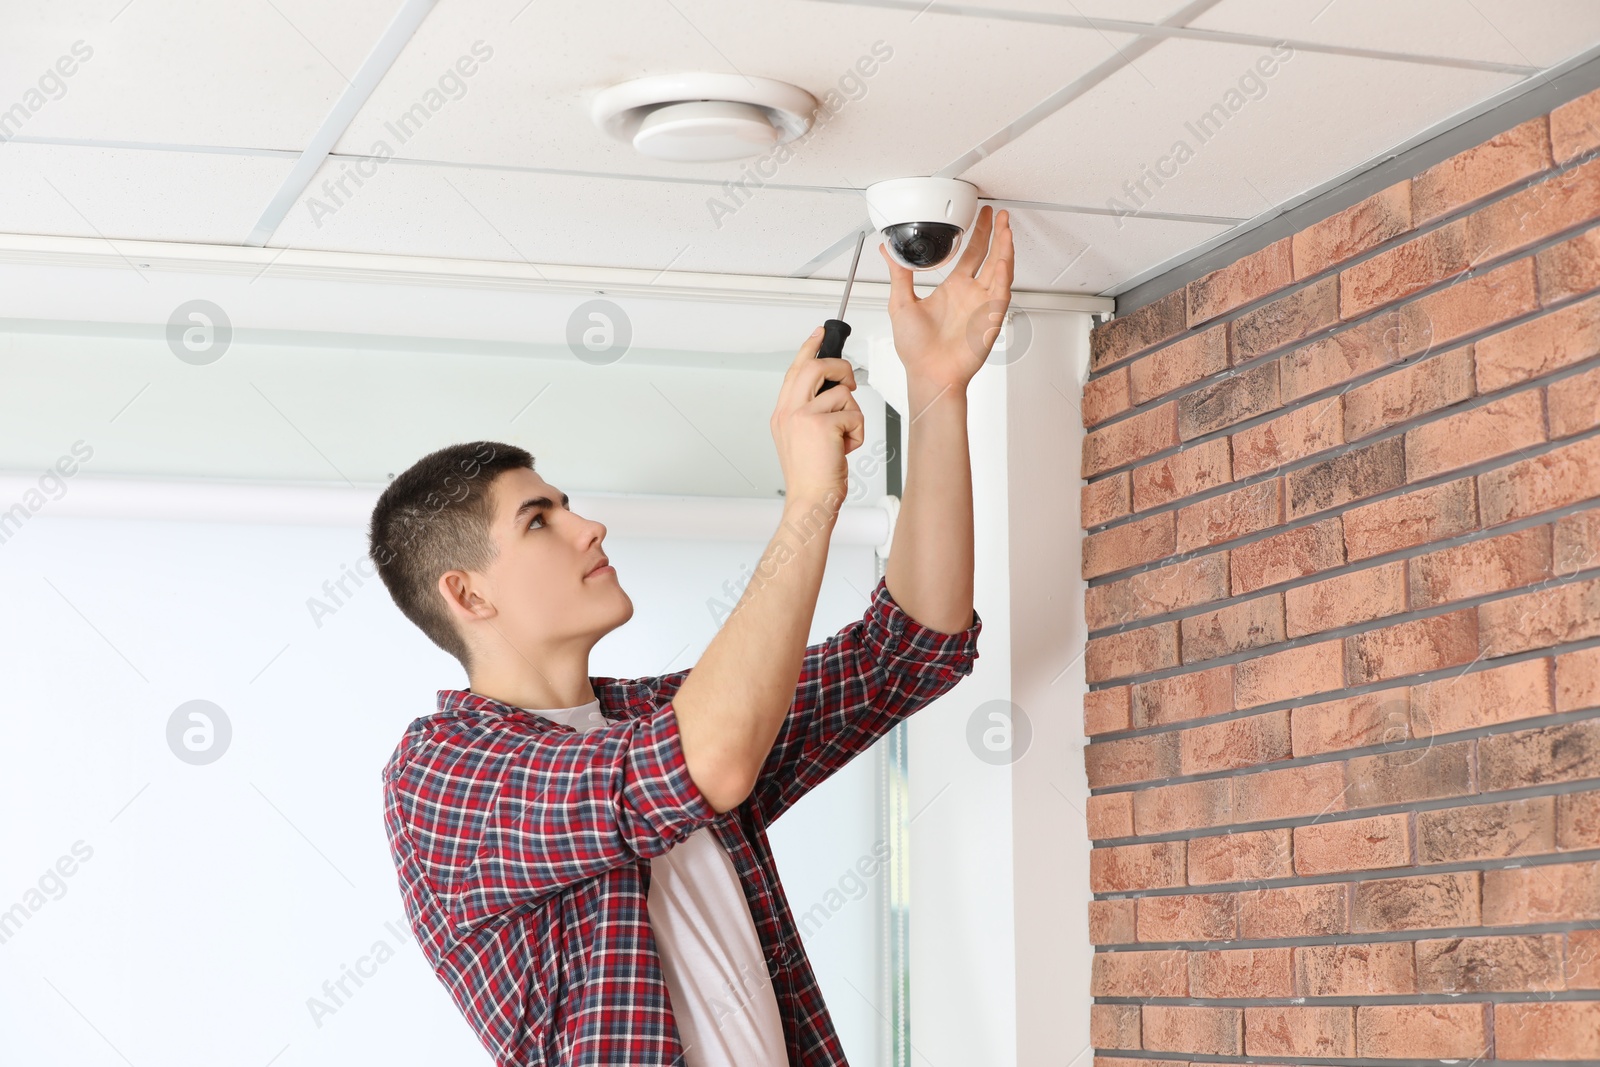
x=922 y=245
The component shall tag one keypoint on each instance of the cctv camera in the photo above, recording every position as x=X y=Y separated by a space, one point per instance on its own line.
x=922 y=219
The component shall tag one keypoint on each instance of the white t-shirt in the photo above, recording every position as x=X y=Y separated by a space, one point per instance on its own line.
x=711 y=958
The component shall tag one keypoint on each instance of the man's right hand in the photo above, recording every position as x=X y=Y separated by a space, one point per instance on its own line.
x=814 y=432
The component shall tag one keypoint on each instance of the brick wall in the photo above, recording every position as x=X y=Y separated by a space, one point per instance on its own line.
x=1343 y=544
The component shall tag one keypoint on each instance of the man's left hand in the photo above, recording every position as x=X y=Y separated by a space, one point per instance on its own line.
x=945 y=337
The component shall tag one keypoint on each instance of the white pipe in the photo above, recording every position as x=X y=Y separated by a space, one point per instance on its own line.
x=643 y=515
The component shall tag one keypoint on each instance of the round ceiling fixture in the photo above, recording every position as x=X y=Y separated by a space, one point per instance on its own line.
x=703 y=117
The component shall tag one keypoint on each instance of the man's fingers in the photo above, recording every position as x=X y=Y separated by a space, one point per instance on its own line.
x=997 y=269
x=978 y=247
x=900 y=290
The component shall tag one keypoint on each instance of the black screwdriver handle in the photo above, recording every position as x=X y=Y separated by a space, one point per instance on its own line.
x=834 y=331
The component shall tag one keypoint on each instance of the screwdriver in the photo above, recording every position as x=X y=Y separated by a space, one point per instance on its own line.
x=834 y=331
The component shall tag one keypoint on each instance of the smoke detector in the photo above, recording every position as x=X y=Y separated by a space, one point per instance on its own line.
x=703 y=117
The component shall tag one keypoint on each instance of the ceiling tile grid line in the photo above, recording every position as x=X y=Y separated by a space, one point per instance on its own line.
x=1030 y=118
x=388 y=47
x=1164 y=29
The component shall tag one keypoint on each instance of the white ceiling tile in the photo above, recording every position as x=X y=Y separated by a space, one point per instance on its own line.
x=1540 y=33
x=134 y=194
x=1315 y=117
x=1126 y=10
x=186 y=72
x=466 y=212
x=950 y=82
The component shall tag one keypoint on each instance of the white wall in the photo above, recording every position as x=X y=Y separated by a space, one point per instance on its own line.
x=212 y=902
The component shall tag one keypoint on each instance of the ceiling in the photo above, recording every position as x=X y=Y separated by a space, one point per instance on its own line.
x=213 y=123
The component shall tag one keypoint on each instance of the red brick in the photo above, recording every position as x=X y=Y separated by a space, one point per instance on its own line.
x=1291 y=673
x=1241 y=282
x=1158 y=591
x=1105 y=710
x=1496 y=428
x=1481 y=567
x=1114 y=1026
x=1239 y=626
x=1189 y=917
x=1413 y=647
x=1578 y=820
x=1582 y=965
x=1415 y=903
x=1286 y=320
x=1293 y=911
x=1184 y=361
x=1361 y=472
x=1416 y=518
x=1570 y=268
x=1110 y=815
x=1105 y=396
x=1560 y=202
x=1482 y=170
x=1578 y=680
x=1566 y=753
x=1166 y=809
x=1288 y=555
x=1538 y=346
x=1234 y=743
x=1487 y=831
x=1183 y=696
x=1559 y=477
x=1409 y=775
x=1194 y=469
x=1406 y=394
x=1345 y=600
x=1403 y=270
x=1106 y=499
x=1223 y=518
x=1239 y=857
x=1351 y=722
x=1577 y=542
x=1303 y=432
x=1111 y=922
x=1548 y=617
x=1546 y=893
x=1130 y=439
x=1575 y=127
x=1354 y=970
x=1228 y=400
x=1119 y=655
x=1240 y=972
x=1337 y=358
x=1561 y=1030
x=1122 y=868
x=1480 y=698
x=1299 y=1031
x=1490 y=964
x=1352 y=845
x=1365 y=225
x=1421 y=1031
x=1163 y=973
x=1467 y=306
x=1574 y=404
x=1181 y=1028
x=1131 y=759
x=1291 y=792
x=1131 y=333
x=1128 y=545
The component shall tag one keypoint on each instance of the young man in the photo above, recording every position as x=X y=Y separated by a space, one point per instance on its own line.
x=584 y=860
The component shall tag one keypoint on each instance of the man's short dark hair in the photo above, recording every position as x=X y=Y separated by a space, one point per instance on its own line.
x=435 y=517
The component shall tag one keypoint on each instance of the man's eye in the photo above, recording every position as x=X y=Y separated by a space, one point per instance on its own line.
x=536 y=518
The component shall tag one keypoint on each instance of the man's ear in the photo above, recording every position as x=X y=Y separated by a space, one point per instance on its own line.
x=463 y=596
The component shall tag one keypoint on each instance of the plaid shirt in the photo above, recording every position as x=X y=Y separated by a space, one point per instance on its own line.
x=523 y=846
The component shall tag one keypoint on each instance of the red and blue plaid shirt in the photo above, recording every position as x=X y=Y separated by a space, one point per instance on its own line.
x=523 y=845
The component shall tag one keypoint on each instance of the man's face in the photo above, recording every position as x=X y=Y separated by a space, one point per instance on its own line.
x=539 y=582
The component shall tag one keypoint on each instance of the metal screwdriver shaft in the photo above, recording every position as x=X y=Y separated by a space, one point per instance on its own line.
x=834 y=331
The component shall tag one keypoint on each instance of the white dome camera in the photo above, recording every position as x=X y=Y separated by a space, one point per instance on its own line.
x=922 y=219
